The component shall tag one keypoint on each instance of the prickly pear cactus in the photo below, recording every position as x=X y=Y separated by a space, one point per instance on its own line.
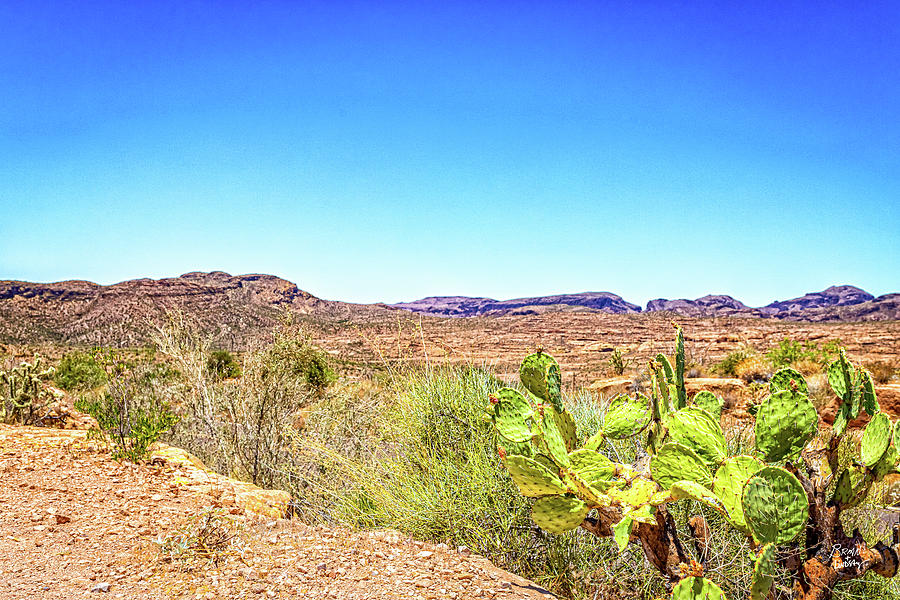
x=763 y=569
x=559 y=514
x=728 y=485
x=626 y=417
x=676 y=462
x=775 y=506
x=709 y=402
x=876 y=439
x=785 y=422
x=697 y=588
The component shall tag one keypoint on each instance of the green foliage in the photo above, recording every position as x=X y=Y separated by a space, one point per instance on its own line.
x=617 y=362
x=789 y=352
x=727 y=365
x=130 y=413
x=223 y=365
x=293 y=354
x=79 y=371
x=24 y=398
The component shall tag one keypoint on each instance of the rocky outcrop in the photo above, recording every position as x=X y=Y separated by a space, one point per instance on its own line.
x=836 y=295
x=707 y=306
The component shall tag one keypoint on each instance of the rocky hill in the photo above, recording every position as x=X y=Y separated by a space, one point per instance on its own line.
x=707 y=306
x=234 y=309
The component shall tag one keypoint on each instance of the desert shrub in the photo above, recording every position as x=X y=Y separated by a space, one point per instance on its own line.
x=617 y=362
x=222 y=364
x=131 y=413
x=882 y=371
x=79 y=371
x=789 y=352
x=753 y=368
x=807 y=366
x=727 y=365
x=414 y=453
x=24 y=398
x=237 y=427
x=211 y=535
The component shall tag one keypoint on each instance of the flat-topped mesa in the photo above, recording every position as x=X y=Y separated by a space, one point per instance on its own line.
x=707 y=306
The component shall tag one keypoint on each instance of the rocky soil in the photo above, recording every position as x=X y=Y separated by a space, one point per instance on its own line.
x=75 y=524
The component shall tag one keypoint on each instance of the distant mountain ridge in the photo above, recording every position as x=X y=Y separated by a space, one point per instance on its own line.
x=238 y=310
x=836 y=303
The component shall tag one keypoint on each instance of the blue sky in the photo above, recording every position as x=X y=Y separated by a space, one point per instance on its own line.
x=385 y=151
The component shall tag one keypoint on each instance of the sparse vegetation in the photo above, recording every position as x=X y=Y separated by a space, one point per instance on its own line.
x=223 y=365
x=24 y=397
x=132 y=411
x=210 y=535
x=882 y=371
x=617 y=362
x=79 y=371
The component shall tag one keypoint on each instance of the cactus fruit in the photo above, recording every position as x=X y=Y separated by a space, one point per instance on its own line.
x=697 y=588
x=763 y=571
x=782 y=379
x=775 y=505
x=675 y=462
x=876 y=439
x=532 y=478
x=559 y=514
x=728 y=485
x=626 y=416
x=697 y=429
x=541 y=376
x=511 y=412
x=785 y=422
x=709 y=402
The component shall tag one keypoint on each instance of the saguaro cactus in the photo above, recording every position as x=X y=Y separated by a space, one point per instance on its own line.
x=768 y=496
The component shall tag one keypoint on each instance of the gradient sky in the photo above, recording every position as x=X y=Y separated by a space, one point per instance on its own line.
x=385 y=151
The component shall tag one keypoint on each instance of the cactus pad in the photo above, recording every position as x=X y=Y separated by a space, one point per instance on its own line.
x=676 y=462
x=887 y=464
x=681 y=397
x=591 y=466
x=567 y=429
x=697 y=588
x=532 y=478
x=839 y=376
x=782 y=378
x=785 y=422
x=691 y=490
x=876 y=439
x=852 y=486
x=511 y=413
x=697 y=429
x=637 y=494
x=551 y=440
x=626 y=416
x=709 y=402
x=763 y=571
x=559 y=514
x=775 y=506
x=541 y=376
x=870 y=401
x=728 y=485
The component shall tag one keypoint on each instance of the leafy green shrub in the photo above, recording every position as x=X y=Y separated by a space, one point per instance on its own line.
x=131 y=413
x=789 y=352
x=79 y=371
x=294 y=354
x=223 y=365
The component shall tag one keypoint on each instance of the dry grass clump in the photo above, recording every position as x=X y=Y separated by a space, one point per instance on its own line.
x=882 y=371
x=753 y=368
x=211 y=535
x=808 y=367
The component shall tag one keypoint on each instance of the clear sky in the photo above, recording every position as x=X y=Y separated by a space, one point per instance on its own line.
x=385 y=151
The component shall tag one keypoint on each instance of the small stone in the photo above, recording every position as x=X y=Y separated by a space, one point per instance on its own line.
x=464 y=550
x=101 y=587
x=60 y=519
x=257 y=588
x=425 y=554
x=156 y=497
x=321 y=566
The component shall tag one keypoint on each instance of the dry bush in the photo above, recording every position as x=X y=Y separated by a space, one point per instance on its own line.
x=808 y=367
x=753 y=368
x=882 y=371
